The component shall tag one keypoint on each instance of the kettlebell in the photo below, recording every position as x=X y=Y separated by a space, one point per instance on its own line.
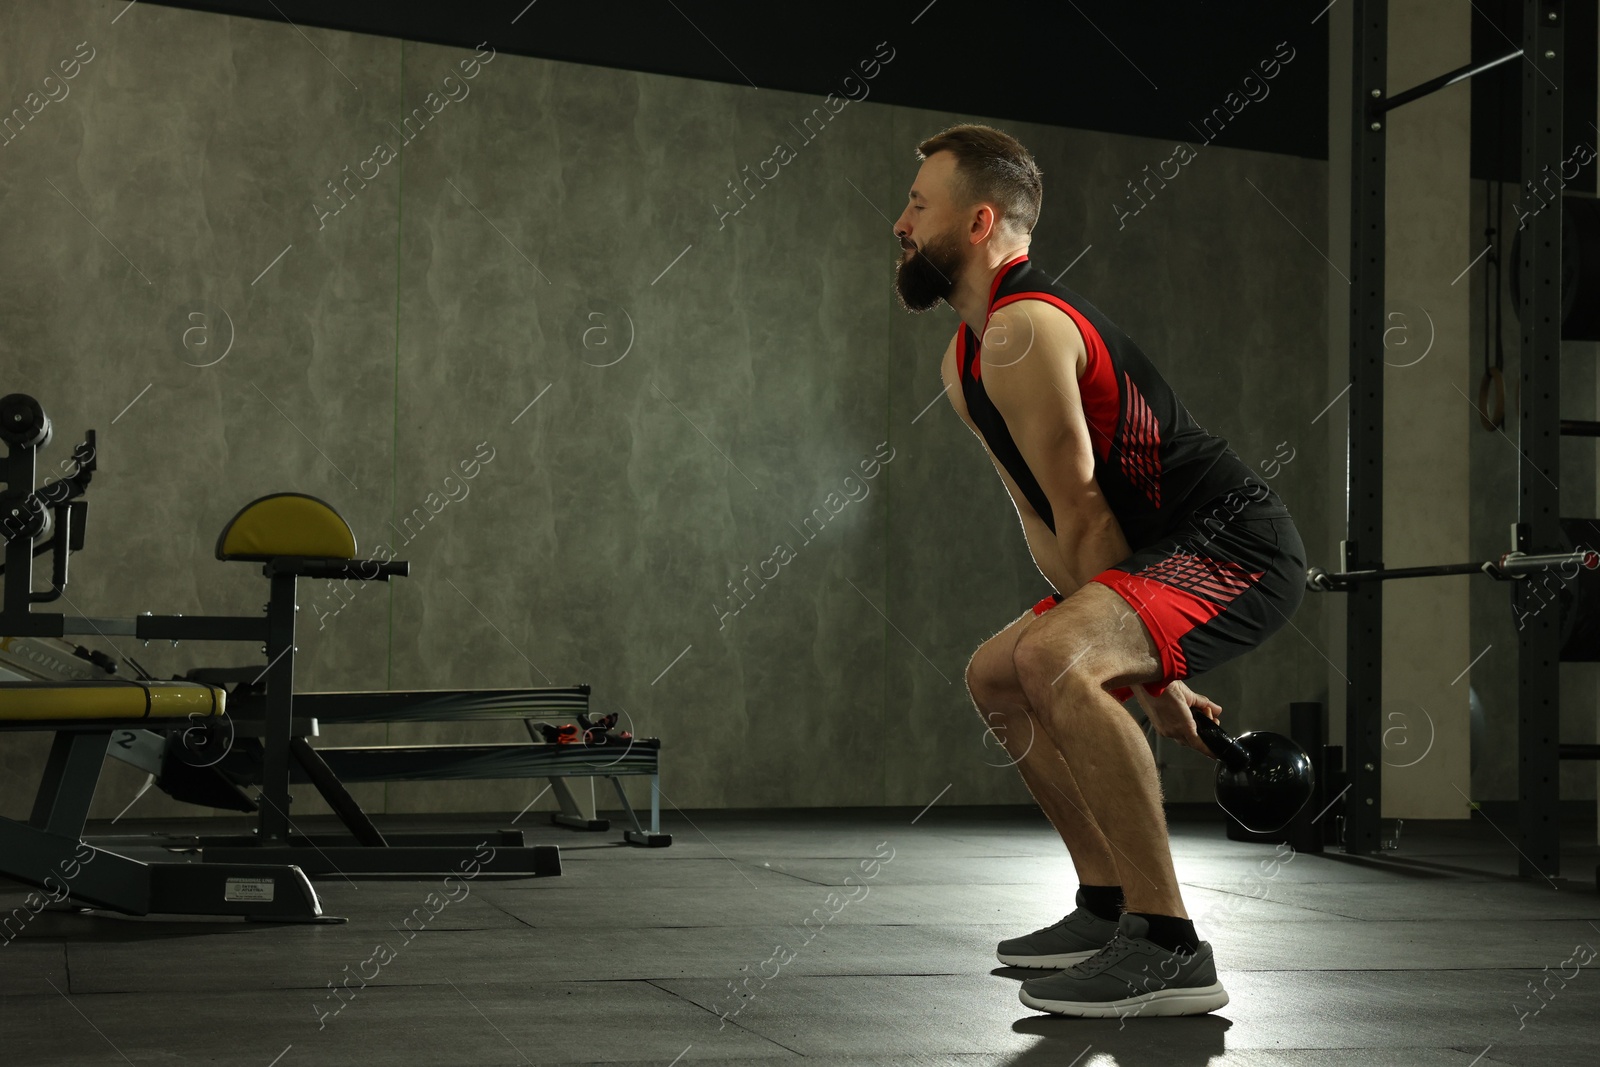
x=1263 y=778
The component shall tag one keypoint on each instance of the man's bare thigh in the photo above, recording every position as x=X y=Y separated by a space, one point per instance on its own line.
x=1094 y=628
x=1097 y=632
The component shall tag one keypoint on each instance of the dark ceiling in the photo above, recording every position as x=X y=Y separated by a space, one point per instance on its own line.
x=1136 y=68
x=1147 y=69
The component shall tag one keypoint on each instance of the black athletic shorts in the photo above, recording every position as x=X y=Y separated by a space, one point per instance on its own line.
x=1221 y=583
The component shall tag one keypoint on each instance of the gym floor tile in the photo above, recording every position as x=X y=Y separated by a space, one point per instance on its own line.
x=1268 y=1012
x=1541 y=1055
x=923 y=864
x=659 y=868
x=761 y=906
x=1407 y=945
x=1344 y=1057
x=1459 y=1009
x=1238 y=902
x=1419 y=958
x=966 y=1013
x=1054 y=1052
x=1485 y=901
x=363 y=901
x=1025 y=906
x=31 y=966
x=583 y=948
x=461 y=1020
x=1327 y=867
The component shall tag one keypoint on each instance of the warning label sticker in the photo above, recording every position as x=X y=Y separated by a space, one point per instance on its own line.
x=249 y=889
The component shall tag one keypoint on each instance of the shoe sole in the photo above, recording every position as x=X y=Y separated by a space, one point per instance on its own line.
x=1192 y=1000
x=1058 y=962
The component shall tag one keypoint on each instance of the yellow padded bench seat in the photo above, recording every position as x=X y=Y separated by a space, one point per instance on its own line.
x=286 y=524
x=62 y=703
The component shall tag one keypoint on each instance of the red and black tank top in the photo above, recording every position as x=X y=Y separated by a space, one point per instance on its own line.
x=1155 y=465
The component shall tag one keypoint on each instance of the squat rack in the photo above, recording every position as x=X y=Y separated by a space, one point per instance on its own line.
x=1539 y=428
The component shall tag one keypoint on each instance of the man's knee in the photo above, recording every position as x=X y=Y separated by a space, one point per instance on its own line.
x=986 y=682
x=1047 y=664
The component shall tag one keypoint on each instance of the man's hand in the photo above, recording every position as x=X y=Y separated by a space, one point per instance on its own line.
x=1169 y=714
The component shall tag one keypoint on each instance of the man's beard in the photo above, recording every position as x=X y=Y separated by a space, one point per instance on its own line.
x=929 y=275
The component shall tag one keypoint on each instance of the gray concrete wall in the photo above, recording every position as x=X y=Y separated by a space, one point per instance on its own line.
x=528 y=235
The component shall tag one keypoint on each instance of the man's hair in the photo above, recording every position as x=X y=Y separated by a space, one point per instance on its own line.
x=992 y=165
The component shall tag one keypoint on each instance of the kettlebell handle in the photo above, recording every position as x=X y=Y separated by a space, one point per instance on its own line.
x=1220 y=742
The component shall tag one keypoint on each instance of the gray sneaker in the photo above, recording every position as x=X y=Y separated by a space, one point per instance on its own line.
x=1072 y=940
x=1131 y=976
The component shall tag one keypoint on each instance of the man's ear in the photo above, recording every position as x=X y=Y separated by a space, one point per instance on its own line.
x=983 y=223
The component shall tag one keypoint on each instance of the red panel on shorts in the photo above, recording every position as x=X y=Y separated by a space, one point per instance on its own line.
x=1167 y=612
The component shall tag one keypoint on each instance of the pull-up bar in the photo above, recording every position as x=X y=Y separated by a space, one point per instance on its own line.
x=1433 y=85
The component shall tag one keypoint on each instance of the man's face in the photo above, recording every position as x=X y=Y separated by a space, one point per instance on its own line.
x=930 y=232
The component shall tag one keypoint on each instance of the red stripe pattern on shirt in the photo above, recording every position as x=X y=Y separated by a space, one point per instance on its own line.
x=1141 y=442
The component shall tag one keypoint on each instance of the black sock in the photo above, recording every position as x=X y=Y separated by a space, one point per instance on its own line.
x=1170 y=932
x=1104 y=901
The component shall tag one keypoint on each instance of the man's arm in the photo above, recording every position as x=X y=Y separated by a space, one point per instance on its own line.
x=1030 y=359
x=1042 y=544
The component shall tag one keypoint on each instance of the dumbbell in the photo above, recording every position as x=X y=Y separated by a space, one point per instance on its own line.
x=1263 y=778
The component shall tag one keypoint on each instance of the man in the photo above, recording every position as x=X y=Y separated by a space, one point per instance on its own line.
x=1167 y=556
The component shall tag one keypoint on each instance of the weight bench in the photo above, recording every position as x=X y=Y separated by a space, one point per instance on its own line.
x=294 y=536
x=48 y=851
